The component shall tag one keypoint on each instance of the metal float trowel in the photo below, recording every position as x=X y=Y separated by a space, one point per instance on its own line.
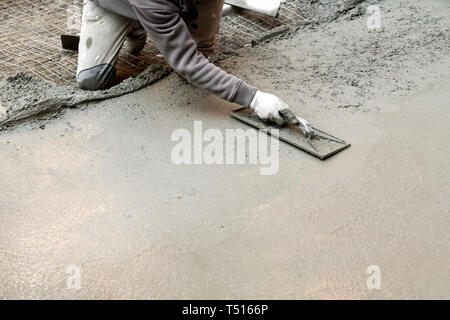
x=298 y=132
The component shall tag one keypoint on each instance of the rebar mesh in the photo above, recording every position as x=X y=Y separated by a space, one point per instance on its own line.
x=30 y=38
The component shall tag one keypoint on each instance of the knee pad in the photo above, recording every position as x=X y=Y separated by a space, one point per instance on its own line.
x=96 y=78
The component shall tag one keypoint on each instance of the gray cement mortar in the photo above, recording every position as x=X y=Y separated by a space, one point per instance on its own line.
x=23 y=96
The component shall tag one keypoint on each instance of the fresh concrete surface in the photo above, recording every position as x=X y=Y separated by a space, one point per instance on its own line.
x=95 y=187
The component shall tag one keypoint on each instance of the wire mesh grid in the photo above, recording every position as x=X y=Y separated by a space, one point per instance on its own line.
x=30 y=37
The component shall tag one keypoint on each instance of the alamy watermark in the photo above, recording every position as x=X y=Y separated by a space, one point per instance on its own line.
x=374 y=280
x=234 y=147
x=74 y=280
x=374 y=18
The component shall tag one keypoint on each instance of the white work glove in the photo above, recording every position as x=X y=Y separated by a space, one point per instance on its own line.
x=268 y=107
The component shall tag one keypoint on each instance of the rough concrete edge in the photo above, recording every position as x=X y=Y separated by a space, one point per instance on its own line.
x=70 y=97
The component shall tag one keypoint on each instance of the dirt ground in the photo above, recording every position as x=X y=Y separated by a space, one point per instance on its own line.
x=95 y=187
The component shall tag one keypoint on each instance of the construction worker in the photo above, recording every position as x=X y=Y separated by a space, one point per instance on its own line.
x=185 y=33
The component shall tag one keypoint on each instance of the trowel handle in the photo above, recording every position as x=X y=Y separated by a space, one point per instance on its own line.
x=292 y=119
x=288 y=116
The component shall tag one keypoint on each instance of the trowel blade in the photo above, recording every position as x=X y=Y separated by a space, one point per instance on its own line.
x=322 y=145
x=269 y=7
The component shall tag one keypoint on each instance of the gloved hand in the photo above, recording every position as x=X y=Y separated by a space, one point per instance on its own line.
x=268 y=107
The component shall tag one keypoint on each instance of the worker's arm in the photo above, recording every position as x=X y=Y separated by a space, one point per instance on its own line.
x=163 y=22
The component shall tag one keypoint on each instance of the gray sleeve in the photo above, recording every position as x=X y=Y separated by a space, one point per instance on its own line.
x=163 y=22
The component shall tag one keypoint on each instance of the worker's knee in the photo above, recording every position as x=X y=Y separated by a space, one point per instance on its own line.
x=96 y=78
